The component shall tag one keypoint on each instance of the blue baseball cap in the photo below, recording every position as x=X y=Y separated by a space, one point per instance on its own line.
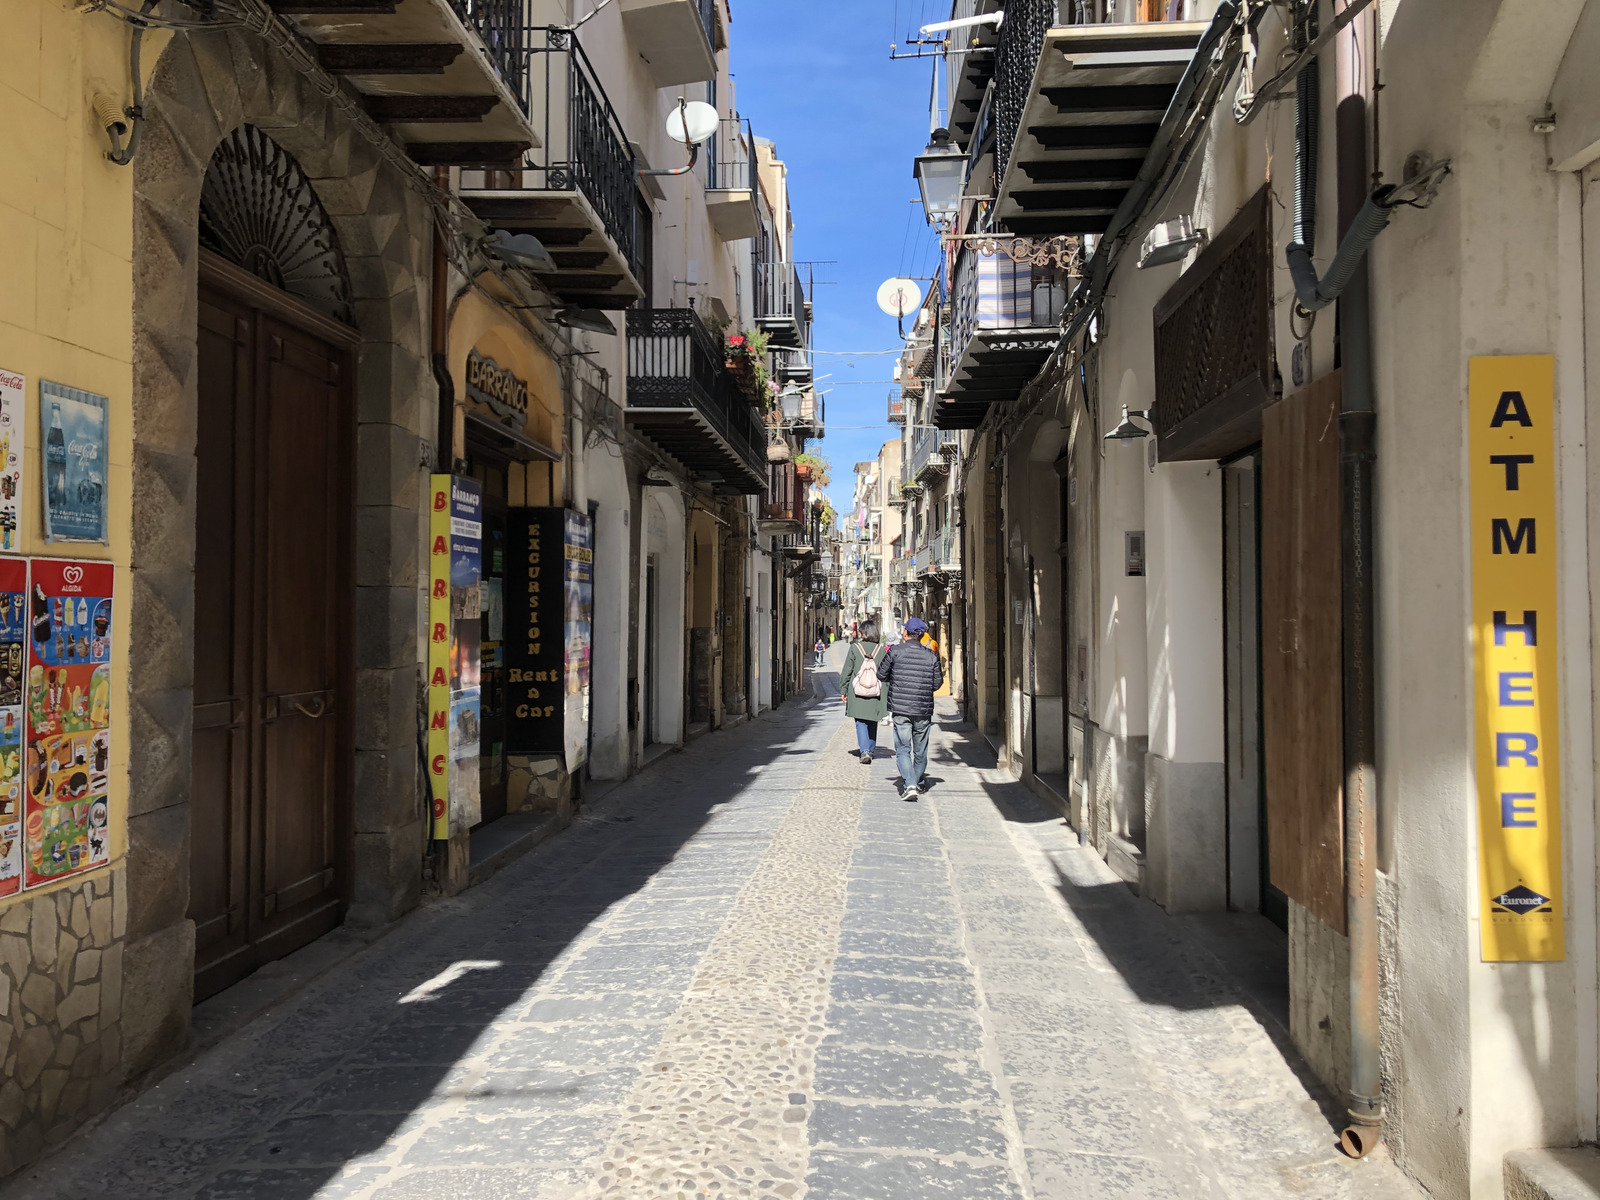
x=916 y=625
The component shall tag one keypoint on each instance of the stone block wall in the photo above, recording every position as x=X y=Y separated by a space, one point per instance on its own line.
x=61 y=999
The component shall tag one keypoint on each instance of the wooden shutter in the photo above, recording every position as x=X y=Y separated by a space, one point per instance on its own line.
x=1301 y=650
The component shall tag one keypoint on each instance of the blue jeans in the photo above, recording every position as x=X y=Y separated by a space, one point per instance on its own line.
x=911 y=747
x=866 y=735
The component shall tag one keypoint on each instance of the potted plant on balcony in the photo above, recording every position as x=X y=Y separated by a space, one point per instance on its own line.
x=746 y=361
x=812 y=468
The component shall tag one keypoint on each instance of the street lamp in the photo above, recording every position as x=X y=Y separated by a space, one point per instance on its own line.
x=790 y=399
x=941 y=172
x=1126 y=430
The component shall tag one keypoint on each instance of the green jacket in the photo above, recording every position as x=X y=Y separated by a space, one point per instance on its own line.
x=864 y=708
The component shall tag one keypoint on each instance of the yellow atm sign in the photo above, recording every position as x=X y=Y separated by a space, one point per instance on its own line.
x=1514 y=656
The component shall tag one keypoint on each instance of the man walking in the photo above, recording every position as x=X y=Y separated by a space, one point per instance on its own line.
x=913 y=674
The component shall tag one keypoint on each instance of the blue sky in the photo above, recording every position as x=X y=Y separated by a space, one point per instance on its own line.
x=816 y=79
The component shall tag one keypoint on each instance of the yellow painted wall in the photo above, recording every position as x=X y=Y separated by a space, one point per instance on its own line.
x=66 y=282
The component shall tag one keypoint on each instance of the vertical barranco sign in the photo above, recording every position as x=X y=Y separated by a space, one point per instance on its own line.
x=1515 y=654
x=439 y=655
x=455 y=572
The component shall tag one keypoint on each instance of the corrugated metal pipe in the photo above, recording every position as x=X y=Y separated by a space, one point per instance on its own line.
x=1314 y=293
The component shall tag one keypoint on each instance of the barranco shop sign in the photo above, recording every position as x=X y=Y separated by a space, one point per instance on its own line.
x=1517 y=697
x=490 y=384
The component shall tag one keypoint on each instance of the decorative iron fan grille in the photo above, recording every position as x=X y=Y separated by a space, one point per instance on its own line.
x=258 y=211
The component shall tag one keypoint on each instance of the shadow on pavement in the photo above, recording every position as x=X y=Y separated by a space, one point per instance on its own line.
x=280 y=1109
x=1186 y=963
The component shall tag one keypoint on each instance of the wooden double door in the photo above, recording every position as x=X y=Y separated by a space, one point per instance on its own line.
x=274 y=598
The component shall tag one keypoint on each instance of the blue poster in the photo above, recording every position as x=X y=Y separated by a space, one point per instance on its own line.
x=75 y=426
x=578 y=595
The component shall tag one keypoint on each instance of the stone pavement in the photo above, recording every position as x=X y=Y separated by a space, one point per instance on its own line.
x=752 y=971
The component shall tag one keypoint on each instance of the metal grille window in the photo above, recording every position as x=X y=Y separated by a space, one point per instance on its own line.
x=1213 y=344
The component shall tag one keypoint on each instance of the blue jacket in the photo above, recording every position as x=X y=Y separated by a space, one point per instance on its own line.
x=912 y=673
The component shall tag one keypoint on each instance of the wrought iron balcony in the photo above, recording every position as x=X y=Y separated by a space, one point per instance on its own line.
x=784 y=511
x=681 y=396
x=940 y=555
x=1076 y=107
x=578 y=193
x=792 y=364
x=447 y=77
x=970 y=66
x=929 y=454
x=897 y=409
x=1003 y=325
x=730 y=166
x=796 y=545
x=810 y=423
x=782 y=303
x=678 y=39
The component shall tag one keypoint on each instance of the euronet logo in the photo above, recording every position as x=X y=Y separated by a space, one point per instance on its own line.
x=1520 y=899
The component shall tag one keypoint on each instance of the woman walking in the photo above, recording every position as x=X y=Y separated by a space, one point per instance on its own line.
x=865 y=698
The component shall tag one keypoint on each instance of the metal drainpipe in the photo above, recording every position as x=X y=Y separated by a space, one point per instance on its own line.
x=1357 y=425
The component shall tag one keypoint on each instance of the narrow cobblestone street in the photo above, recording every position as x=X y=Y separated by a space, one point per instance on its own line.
x=753 y=971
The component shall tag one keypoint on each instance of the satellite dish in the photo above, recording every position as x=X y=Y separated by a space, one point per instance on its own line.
x=897 y=297
x=692 y=122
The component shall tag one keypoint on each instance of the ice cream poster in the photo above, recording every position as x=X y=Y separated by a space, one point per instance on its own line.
x=75 y=434
x=67 y=695
x=13 y=394
x=13 y=633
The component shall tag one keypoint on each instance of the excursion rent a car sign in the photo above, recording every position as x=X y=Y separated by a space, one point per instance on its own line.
x=1516 y=702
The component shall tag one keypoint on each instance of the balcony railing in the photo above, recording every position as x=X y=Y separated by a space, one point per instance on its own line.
x=731 y=156
x=781 y=301
x=507 y=38
x=939 y=554
x=970 y=66
x=1016 y=55
x=897 y=409
x=676 y=363
x=786 y=495
x=993 y=292
x=584 y=144
x=928 y=453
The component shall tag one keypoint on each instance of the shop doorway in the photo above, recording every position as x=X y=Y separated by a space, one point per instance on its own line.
x=273 y=625
x=650 y=734
x=1249 y=865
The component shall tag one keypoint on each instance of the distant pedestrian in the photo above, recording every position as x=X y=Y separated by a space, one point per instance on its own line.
x=913 y=674
x=862 y=691
x=821 y=648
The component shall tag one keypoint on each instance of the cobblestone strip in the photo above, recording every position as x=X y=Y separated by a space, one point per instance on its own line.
x=721 y=1110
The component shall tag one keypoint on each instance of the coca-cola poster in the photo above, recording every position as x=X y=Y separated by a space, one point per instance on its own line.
x=13 y=394
x=74 y=425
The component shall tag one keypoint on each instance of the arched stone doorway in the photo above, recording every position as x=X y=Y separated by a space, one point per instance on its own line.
x=271 y=786
x=204 y=87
